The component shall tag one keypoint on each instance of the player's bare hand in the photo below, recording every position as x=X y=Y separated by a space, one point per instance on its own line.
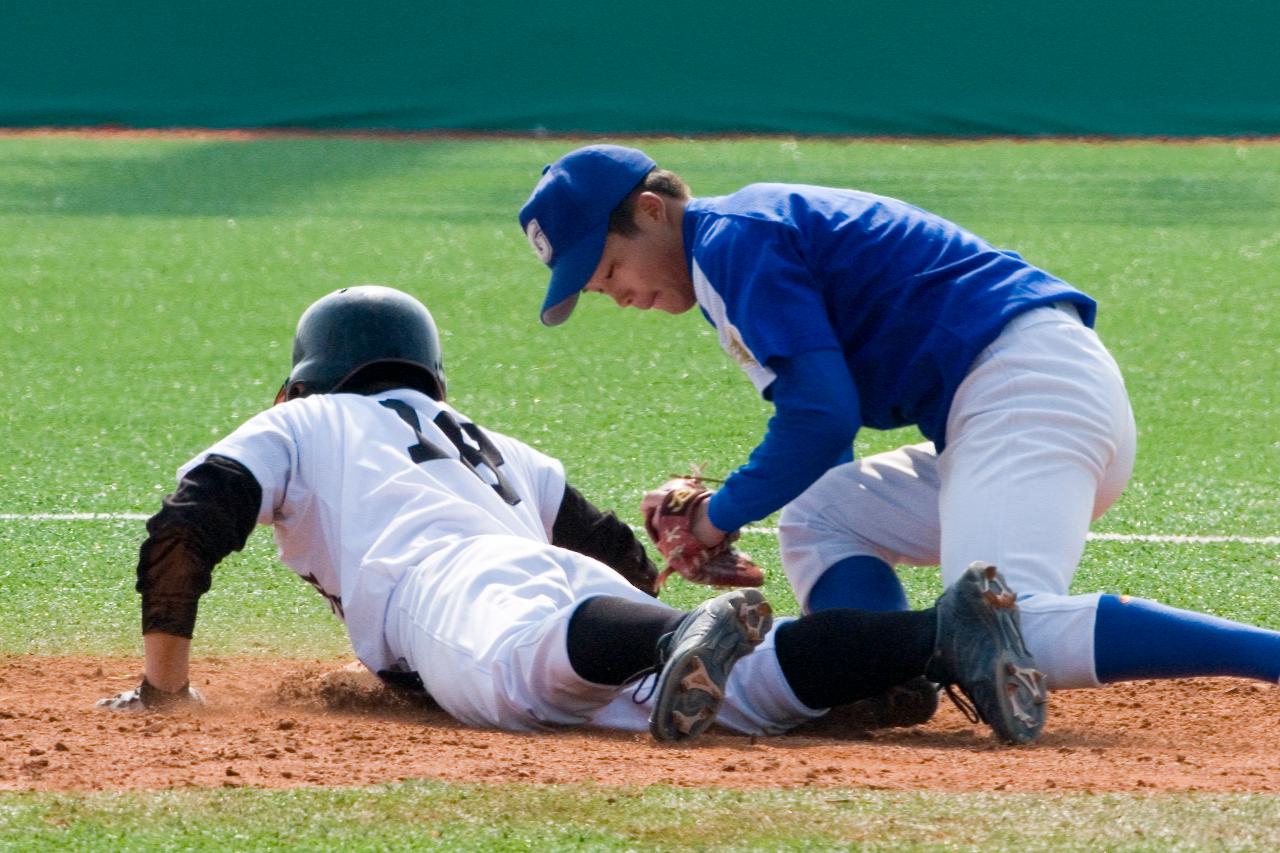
x=700 y=524
x=147 y=697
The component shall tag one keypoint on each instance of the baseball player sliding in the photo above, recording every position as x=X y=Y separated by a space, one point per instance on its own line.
x=847 y=309
x=461 y=557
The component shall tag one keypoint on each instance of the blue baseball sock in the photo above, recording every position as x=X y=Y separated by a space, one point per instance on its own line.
x=862 y=583
x=1136 y=638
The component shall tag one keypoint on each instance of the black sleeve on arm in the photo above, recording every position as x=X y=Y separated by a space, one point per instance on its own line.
x=211 y=514
x=581 y=527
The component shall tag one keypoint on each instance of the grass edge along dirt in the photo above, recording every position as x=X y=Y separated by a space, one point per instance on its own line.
x=435 y=815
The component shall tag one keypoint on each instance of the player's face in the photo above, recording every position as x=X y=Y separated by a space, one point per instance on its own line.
x=647 y=269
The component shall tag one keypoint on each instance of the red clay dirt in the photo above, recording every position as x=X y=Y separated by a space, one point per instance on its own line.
x=284 y=723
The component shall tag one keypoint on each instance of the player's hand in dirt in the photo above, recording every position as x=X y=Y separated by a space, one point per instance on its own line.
x=148 y=697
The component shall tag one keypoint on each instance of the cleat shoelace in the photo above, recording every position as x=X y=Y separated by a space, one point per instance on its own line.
x=650 y=675
x=962 y=702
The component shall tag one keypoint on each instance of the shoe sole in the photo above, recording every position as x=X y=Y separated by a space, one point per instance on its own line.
x=690 y=689
x=1017 y=686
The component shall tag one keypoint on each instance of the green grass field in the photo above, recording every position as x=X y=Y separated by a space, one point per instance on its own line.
x=148 y=292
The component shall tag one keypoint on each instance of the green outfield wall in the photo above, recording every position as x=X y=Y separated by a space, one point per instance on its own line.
x=1114 y=67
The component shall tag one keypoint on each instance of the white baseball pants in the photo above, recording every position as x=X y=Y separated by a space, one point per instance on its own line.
x=1041 y=441
x=485 y=625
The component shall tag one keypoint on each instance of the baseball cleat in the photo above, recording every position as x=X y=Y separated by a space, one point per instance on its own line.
x=911 y=703
x=695 y=660
x=980 y=650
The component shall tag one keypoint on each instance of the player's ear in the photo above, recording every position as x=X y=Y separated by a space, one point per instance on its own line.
x=652 y=207
x=290 y=391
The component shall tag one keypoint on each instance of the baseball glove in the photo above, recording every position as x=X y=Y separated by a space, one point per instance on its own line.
x=668 y=512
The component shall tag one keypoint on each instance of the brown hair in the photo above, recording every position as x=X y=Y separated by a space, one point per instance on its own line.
x=623 y=218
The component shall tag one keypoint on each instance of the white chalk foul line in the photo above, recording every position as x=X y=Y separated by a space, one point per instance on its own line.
x=73 y=516
x=1191 y=540
x=1163 y=538
x=1159 y=538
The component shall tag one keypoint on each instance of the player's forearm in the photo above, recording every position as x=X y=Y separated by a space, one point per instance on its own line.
x=210 y=515
x=581 y=527
x=814 y=424
x=167 y=661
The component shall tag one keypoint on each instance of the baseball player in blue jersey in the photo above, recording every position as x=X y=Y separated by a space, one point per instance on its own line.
x=847 y=309
x=461 y=559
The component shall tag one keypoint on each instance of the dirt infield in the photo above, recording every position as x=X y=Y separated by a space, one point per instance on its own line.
x=283 y=723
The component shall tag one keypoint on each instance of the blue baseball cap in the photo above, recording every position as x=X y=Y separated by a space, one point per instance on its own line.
x=567 y=217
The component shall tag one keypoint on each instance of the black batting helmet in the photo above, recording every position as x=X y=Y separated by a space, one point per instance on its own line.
x=345 y=334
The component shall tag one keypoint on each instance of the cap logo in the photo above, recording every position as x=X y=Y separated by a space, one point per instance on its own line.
x=538 y=240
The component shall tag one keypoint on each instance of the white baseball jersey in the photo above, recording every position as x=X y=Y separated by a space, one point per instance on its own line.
x=361 y=489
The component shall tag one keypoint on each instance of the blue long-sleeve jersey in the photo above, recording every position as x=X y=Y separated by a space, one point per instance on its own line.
x=901 y=300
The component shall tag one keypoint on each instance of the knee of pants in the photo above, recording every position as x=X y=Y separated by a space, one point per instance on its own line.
x=810 y=545
x=799 y=516
x=523 y=681
x=810 y=525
